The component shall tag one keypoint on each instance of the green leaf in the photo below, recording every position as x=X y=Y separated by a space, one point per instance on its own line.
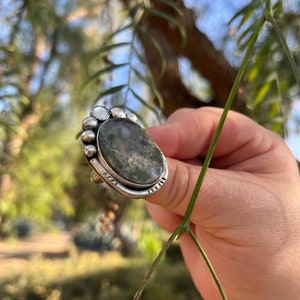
x=159 y=97
x=277 y=9
x=149 y=82
x=157 y=47
x=173 y=5
x=139 y=56
x=103 y=71
x=110 y=47
x=146 y=104
x=275 y=109
x=171 y=19
x=142 y=77
x=111 y=91
x=246 y=36
x=253 y=72
x=262 y=92
x=244 y=11
x=121 y=29
x=246 y=17
x=286 y=49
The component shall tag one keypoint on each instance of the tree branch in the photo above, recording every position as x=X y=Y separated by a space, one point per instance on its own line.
x=209 y=62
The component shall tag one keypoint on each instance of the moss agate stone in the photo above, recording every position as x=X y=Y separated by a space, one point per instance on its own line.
x=129 y=151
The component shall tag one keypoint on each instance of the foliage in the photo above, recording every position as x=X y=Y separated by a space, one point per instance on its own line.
x=58 y=59
x=90 y=276
x=41 y=106
x=138 y=88
x=150 y=240
x=270 y=82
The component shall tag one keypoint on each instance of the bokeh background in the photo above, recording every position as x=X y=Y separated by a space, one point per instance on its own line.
x=61 y=237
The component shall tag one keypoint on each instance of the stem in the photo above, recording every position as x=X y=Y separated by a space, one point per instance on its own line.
x=268 y=8
x=208 y=263
x=167 y=244
x=236 y=84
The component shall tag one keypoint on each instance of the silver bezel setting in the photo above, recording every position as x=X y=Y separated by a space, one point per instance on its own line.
x=102 y=172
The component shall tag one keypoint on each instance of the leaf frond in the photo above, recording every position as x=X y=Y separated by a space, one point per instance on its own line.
x=111 y=91
x=169 y=18
x=102 y=72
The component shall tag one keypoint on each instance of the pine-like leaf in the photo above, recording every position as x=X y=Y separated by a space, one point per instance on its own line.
x=111 y=91
x=171 y=19
x=157 y=46
x=103 y=71
x=145 y=103
x=172 y=4
x=111 y=47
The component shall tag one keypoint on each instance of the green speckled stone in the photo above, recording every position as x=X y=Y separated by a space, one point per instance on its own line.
x=130 y=151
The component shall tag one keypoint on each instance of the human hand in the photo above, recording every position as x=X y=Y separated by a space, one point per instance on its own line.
x=247 y=215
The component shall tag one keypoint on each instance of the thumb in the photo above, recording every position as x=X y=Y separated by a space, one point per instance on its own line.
x=177 y=190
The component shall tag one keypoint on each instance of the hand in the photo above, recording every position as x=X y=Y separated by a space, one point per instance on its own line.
x=247 y=215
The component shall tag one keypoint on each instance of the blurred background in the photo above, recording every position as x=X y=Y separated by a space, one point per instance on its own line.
x=62 y=237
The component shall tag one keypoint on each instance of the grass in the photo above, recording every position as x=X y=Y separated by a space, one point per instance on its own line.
x=87 y=275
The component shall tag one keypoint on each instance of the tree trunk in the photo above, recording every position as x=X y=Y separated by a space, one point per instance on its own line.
x=205 y=59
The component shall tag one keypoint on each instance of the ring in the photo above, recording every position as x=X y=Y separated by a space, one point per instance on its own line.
x=121 y=153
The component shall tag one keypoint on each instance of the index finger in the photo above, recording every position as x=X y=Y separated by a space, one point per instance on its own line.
x=187 y=134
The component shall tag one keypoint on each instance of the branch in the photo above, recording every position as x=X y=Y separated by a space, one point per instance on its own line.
x=170 y=85
x=209 y=62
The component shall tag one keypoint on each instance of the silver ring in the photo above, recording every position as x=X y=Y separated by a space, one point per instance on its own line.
x=121 y=153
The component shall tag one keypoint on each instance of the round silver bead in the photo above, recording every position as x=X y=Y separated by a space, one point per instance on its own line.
x=132 y=117
x=100 y=113
x=89 y=123
x=95 y=178
x=88 y=136
x=89 y=151
x=117 y=112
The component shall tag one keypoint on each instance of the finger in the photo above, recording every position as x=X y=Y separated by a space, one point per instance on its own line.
x=188 y=134
x=164 y=218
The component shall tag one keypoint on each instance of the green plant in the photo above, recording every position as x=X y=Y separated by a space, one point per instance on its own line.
x=258 y=17
x=88 y=275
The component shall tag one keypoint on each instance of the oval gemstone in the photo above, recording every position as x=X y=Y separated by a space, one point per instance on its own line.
x=130 y=151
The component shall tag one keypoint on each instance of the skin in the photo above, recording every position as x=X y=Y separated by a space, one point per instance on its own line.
x=247 y=215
